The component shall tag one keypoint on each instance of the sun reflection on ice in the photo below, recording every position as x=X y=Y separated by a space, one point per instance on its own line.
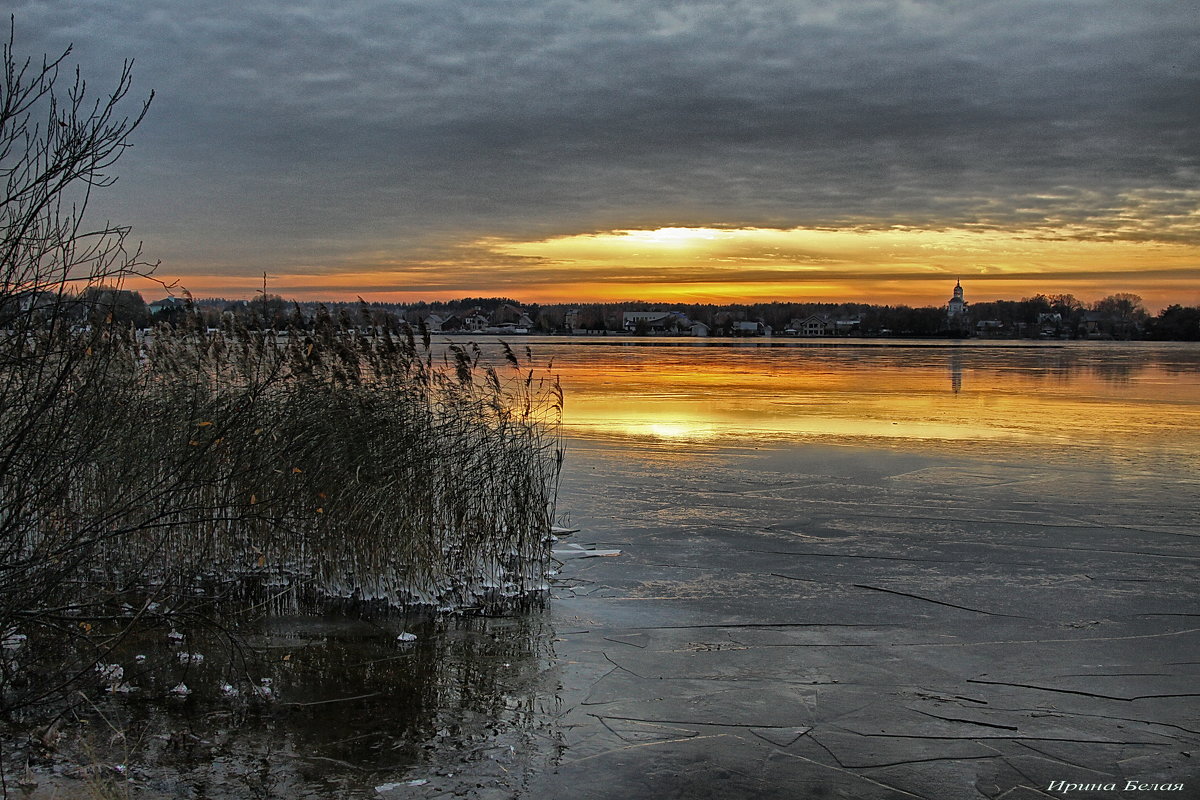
x=673 y=430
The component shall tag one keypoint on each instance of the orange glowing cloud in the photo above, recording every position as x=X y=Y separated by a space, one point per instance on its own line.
x=715 y=264
x=883 y=265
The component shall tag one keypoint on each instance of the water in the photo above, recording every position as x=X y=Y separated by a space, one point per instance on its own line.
x=1136 y=404
x=310 y=706
x=682 y=452
x=880 y=569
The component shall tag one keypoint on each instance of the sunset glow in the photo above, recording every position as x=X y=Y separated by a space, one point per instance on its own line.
x=893 y=264
x=692 y=393
x=710 y=264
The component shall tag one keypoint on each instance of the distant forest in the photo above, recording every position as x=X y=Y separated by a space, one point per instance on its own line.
x=1118 y=316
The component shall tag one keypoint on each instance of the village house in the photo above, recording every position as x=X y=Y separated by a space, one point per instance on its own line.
x=1106 y=325
x=167 y=304
x=812 y=325
x=653 y=321
x=475 y=321
x=747 y=328
x=33 y=300
x=656 y=322
x=522 y=324
x=1091 y=324
x=821 y=325
x=1049 y=323
x=989 y=327
x=174 y=310
x=846 y=326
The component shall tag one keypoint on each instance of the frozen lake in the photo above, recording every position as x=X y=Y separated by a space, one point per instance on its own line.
x=866 y=569
x=878 y=569
x=1137 y=403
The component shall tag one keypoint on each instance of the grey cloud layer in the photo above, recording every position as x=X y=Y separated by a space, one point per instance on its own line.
x=296 y=132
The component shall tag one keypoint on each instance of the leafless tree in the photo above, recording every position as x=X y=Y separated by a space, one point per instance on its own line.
x=58 y=145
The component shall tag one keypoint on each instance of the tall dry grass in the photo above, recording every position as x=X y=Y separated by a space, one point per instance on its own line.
x=186 y=475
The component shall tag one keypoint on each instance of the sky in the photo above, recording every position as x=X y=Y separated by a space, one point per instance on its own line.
x=590 y=150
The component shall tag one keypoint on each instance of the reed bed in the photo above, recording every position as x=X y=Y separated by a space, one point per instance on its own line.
x=188 y=474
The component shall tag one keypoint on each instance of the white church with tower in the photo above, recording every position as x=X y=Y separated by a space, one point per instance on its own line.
x=956 y=309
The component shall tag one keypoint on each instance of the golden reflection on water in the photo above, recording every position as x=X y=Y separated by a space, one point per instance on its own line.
x=1063 y=396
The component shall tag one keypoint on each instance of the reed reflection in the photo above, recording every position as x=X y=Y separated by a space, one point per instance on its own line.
x=333 y=706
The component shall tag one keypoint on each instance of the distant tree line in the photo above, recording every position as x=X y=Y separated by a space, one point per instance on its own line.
x=1176 y=323
x=1118 y=316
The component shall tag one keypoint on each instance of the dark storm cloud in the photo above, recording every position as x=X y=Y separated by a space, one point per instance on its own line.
x=294 y=133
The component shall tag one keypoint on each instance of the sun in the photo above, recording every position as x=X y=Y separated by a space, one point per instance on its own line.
x=673 y=236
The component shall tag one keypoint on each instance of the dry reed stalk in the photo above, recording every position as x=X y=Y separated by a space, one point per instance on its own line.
x=201 y=474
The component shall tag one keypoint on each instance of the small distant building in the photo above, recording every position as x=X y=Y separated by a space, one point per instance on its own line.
x=28 y=302
x=746 y=328
x=812 y=325
x=844 y=327
x=507 y=314
x=35 y=300
x=506 y=329
x=957 y=307
x=1092 y=324
x=647 y=320
x=474 y=322
x=1049 y=323
x=656 y=321
x=699 y=329
x=821 y=325
x=167 y=304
